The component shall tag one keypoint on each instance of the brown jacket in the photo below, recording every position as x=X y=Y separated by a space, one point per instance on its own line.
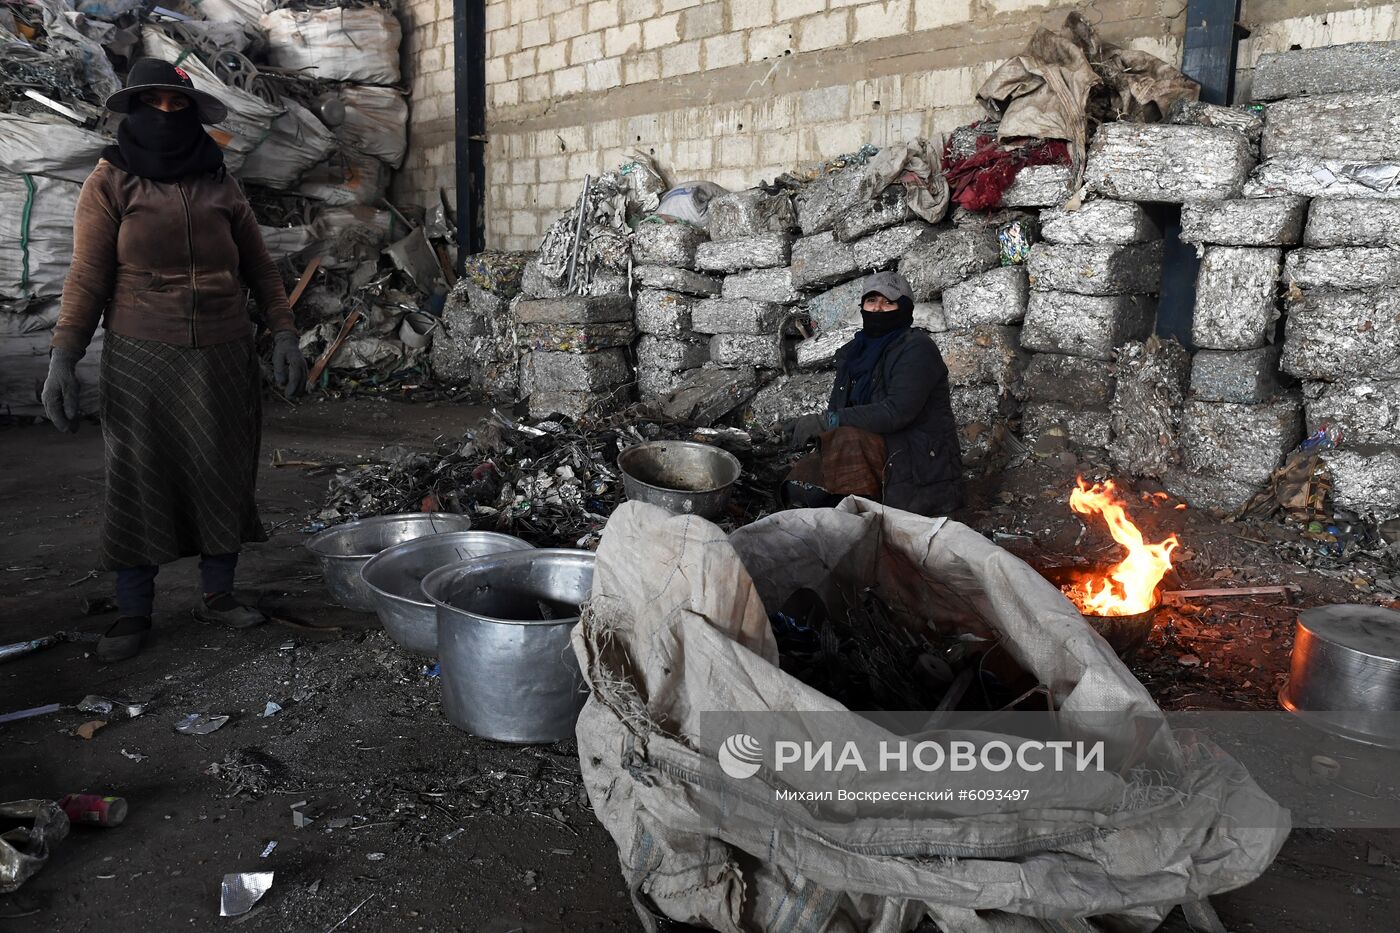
x=163 y=260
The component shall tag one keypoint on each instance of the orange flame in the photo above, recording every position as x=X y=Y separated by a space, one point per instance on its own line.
x=1130 y=586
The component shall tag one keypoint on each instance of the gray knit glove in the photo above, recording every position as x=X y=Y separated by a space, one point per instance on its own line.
x=288 y=364
x=61 y=389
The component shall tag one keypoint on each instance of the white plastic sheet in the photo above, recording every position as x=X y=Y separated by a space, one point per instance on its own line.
x=338 y=44
x=30 y=146
x=677 y=625
x=297 y=142
x=36 y=234
x=346 y=178
x=376 y=122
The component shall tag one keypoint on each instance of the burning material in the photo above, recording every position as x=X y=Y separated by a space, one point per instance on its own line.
x=1130 y=586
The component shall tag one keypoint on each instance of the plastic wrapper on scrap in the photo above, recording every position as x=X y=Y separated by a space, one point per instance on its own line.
x=1016 y=239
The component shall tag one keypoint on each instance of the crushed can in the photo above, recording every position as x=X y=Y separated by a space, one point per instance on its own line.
x=94 y=809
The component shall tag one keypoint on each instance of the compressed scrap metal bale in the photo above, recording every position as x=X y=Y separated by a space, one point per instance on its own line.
x=1367 y=412
x=742 y=214
x=773 y=285
x=1244 y=376
x=1244 y=221
x=953 y=254
x=1241 y=442
x=1160 y=162
x=1099 y=222
x=575 y=310
x=1247 y=121
x=1366 y=481
x=764 y=251
x=737 y=316
x=451 y=355
x=997 y=296
x=1039 y=186
x=980 y=412
x=544 y=371
x=822 y=260
x=1343 y=267
x=676 y=280
x=1310 y=176
x=1081 y=427
x=831 y=309
x=536 y=284
x=1086 y=325
x=984 y=355
x=672 y=354
x=929 y=316
x=1110 y=269
x=1341 y=336
x=890 y=209
x=819 y=350
x=883 y=249
x=764 y=351
x=658 y=383
x=1220 y=493
x=580 y=406
x=1356 y=127
x=664 y=313
x=667 y=243
x=710 y=393
x=824 y=200
x=1353 y=222
x=1074 y=380
x=1236 y=297
x=1149 y=392
x=575 y=338
x=789 y=397
x=1330 y=69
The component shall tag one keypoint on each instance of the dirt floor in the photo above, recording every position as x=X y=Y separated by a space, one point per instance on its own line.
x=415 y=825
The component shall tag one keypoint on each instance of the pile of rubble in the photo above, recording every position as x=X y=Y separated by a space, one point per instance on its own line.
x=317 y=122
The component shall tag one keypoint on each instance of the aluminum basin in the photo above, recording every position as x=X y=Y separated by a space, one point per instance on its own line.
x=344 y=549
x=503 y=623
x=1345 y=672
x=683 y=477
x=395 y=580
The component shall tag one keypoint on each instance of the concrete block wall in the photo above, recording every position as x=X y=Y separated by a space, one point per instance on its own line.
x=735 y=91
x=428 y=70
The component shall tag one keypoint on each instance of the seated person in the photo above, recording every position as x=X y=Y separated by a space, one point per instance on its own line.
x=889 y=432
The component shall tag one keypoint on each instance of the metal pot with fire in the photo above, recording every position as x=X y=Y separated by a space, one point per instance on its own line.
x=1120 y=600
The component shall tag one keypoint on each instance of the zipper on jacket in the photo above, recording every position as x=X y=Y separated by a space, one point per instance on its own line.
x=194 y=287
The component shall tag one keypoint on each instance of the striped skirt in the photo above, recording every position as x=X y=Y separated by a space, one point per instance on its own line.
x=182 y=427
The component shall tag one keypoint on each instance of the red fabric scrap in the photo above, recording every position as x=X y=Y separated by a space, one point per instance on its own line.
x=979 y=181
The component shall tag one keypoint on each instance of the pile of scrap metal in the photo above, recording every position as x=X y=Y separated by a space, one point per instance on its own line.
x=317 y=121
x=552 y=483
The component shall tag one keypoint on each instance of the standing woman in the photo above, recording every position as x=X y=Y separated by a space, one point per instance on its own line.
x=162 y=236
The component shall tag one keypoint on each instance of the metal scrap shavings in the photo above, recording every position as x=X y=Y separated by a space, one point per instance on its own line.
x=553 y=483
x=250 y=771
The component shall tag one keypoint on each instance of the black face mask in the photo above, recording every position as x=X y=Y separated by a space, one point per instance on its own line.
x=164 y=146
x=880 y=323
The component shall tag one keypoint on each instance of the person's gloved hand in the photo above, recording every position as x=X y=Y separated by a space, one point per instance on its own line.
x=288 y=364
x=60 y=395
x=801 y=431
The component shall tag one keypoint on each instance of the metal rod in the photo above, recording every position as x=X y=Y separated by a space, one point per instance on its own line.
x=578 y=230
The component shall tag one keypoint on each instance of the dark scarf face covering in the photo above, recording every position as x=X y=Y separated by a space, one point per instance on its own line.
x=878 y=330
x=164 y=146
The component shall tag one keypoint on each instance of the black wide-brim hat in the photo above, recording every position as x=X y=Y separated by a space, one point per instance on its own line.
x=153 y=74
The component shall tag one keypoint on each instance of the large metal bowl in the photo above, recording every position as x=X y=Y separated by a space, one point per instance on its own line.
x=1345 y=672
x=344 y=549
x=1125 y=634
x=508 y=669
x=395 y=580
x=683 y=477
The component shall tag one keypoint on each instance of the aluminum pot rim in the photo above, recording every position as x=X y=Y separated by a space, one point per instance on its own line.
x=375 y=561
x=316 y=543
x=1301 y=624
x=728 y=457
x=507 y=556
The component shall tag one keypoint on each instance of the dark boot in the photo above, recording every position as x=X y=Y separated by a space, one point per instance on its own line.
x=223 y=609
x=123 y=639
